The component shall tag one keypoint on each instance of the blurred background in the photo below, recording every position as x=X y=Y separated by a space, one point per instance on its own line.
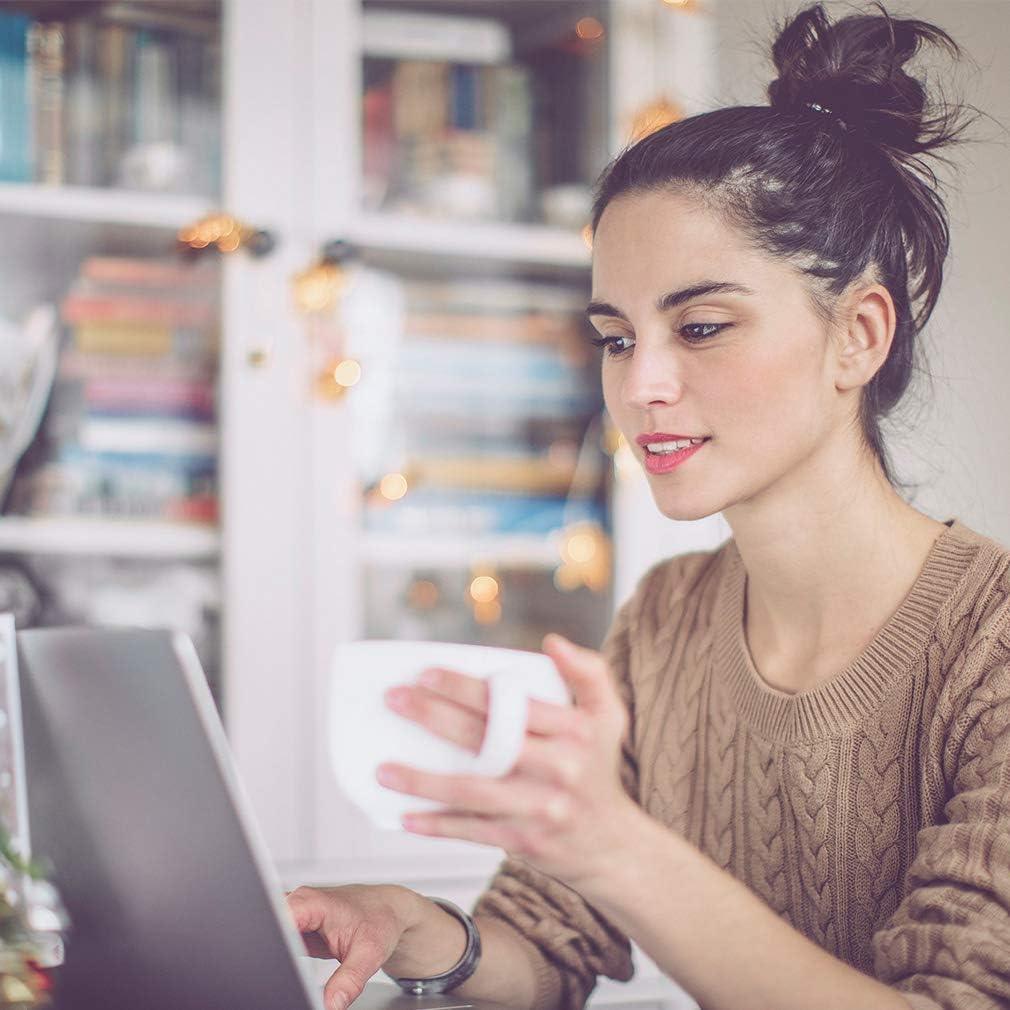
x=292 y=345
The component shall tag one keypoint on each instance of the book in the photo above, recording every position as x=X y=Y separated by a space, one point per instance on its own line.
x=85 y=165
x=528 y=474
x=427 y=513
x=46 y=64
x=155 y=396
x=84 y=307
x=15 y=132
x=146 y=436
x=137 y=272
x=444 y=37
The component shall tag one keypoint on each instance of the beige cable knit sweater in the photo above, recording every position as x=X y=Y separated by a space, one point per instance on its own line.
x=871 y=812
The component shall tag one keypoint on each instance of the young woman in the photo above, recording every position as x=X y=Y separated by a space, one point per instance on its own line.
x=787 y=774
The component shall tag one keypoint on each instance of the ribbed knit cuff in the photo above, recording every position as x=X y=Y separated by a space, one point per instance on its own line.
x=548 y=980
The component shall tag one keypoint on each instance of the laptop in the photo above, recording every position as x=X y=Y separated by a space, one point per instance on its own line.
x=134 y=804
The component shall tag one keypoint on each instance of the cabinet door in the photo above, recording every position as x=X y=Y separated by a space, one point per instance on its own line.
x=462 y=482
x=110 y=370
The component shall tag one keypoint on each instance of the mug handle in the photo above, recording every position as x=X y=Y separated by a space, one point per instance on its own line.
x=508 y=711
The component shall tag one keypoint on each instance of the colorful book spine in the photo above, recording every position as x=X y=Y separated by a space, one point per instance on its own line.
x=456 y=515
x=15 y=132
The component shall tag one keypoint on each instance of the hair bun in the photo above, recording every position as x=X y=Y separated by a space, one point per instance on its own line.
x=854 y=68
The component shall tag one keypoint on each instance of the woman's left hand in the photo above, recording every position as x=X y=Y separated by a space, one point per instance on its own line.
x=562 y=808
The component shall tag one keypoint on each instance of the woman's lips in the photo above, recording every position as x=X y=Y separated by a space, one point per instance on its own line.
x=665 y=462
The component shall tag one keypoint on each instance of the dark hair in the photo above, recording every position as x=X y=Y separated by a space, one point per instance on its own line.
x=830 y=175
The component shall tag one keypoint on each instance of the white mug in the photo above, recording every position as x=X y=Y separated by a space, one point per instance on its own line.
x=365 y=733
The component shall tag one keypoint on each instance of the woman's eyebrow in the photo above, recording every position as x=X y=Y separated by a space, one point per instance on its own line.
x=673 y=298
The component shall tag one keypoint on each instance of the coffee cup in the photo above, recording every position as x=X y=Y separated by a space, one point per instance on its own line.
x=365 y=733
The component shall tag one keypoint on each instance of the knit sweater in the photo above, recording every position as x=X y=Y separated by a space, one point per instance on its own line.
x=871 y=812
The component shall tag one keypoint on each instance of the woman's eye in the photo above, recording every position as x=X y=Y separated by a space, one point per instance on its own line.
x=693 y=333
x=609 y=345
x=696 y=332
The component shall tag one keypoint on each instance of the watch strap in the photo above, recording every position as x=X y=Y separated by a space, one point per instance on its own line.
x=460 y=971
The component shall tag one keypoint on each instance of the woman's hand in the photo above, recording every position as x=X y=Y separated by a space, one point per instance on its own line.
x=360 y=925
x=562 y=808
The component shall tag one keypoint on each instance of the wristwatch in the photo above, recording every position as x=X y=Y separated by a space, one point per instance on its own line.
x=460 y=971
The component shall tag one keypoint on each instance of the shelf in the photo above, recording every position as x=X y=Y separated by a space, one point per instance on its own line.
x=108 y=537
x=513 y=550
x=522 y=244
x=101 y=205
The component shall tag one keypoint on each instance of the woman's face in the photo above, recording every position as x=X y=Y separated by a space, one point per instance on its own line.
x=748 y=367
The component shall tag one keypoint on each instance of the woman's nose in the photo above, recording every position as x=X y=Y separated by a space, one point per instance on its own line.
x=652 y=377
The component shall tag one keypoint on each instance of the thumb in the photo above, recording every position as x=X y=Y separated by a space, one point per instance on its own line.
x=585 y=671
x=346 y=984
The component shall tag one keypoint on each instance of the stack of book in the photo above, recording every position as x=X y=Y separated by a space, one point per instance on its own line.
x=496 y=392
x=131 y=426
x=93 y=100
x=447 y=119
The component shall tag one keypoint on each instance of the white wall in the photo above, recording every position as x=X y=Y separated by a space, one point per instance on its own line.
x=956 y=441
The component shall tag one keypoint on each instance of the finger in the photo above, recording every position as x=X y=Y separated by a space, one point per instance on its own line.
x=459 y=708
x=584 y=670
x=554 y=761
x=511 y=833
x=453 y=722
x=307 y=908
x=317 y=946
x=475 y=794
x=360 y=963
x=482 y=830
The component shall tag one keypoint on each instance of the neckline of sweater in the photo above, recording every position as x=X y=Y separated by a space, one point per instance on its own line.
x=839 y=702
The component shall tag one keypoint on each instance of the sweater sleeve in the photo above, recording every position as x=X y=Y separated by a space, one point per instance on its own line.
x=947 y=945
x=567 y=940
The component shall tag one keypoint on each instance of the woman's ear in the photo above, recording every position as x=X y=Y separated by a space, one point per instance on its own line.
x=865 y=338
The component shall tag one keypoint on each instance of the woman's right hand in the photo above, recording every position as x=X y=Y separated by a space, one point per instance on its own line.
x=360 y=925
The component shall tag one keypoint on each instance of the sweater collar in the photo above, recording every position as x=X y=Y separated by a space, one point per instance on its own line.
x=841 y=701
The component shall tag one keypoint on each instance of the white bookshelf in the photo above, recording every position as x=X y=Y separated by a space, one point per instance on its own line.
x=514 y=550
x=521 y=244
x=109 y=538
x=100 y=205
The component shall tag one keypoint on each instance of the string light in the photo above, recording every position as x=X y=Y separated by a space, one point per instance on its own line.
x=347 y=372
x=393 y=486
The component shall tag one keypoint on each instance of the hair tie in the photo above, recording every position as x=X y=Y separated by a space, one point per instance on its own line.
x=824 y=110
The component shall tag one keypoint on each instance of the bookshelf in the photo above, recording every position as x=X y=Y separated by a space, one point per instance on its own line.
x=479 y=284
x=100 y=206
x=120 y=539
x=110 y=137
x=503 y=243
x=458 y=552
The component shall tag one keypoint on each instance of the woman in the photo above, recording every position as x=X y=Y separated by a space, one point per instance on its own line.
x=787 y=776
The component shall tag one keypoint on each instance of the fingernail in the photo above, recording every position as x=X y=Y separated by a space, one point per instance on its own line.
x=339 y=1002
x=388 y=777
x=396 y=698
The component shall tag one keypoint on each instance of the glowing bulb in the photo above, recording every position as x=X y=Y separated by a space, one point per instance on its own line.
x=484 y=589
x=589 y=28
x=347 y=373
x=581 y=547
x=393 y=486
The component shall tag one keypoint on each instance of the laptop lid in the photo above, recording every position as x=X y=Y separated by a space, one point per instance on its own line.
x=133 y=800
